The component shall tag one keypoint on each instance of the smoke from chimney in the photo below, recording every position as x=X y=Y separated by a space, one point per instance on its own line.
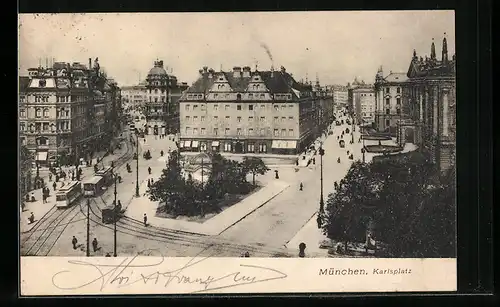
x=266 y=48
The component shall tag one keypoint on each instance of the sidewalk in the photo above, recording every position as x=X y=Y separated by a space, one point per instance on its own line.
x=311 y=236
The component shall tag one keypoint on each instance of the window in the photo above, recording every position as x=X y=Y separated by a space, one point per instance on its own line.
x=227 y=117
x=262 y=95
x=283 y=107
x=195 y=131
x=387 y=101
x=22 y=113
x=290 y=118
x=216 y=107
x=398 y=100
x=38 y=113
x=250 y=96
x=203 y=131
x=283 y=119
x=250 y=107
x=45 y=126
x=216 y=117
x=262 y=131
x=22 y=126
x=387 y=90
x=262 y=106
x=187 y=107
x=250 y=147
x=276 y=119
x=387 y=111
x=38 y=126
x=188 y=118
x=398 y=90
x=238 y=107
x=156 y=100
x=227 y=146
x=42 y=141
x=202 y=118
x=238 y=131
x=262 y=118
x=276 y=107
x=290 y=106
x=216 y=131
x=195 y=118
x=226 y=132
x=195 y=107
x=203 y=107
x=398 y=111
x=262 y=147
x=45 y=112
x=387 y=122
x=290 y=132
x=283 y=132
x=250 y=131
x=238 y=119
x=226 y=107
x=276 y=132
x=250 y=118
x=188 y=131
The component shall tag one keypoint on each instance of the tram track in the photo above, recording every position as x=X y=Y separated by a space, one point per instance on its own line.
x=44 y=235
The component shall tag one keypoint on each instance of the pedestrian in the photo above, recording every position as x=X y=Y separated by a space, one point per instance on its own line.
x=149 y=183
x=54 y=185
x=74 y=241
x=50 y=176
x=94 y=244
x=314 y=161
x=31 y=219
x=44 y=198
x=145 y=220
x=149 y=170
x=247 y=254
x=57 y=178
x=161 y=153
x=301 y=186
x=108 y=255
x=348 y=152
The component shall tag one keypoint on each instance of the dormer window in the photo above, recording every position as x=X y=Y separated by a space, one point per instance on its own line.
x=221 y=79
x=238 y=97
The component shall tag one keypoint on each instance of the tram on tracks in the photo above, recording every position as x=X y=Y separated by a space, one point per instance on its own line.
x=68 y=194
x=93 y=186
x=111 y=213
x=107 y=175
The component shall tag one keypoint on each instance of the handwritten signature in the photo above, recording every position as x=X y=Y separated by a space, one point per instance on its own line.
x=128 y=272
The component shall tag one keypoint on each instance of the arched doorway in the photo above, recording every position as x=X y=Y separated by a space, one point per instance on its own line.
x=238 y=147
x=409 y=135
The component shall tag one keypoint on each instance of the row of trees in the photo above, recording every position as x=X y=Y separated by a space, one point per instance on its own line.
x=25 y=175
x=412 y=210
x=185 y=196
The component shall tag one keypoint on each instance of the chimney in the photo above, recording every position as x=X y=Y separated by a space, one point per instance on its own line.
x=201 y=72
x=210 y=73
x=246 y=72
x=236 y=72
x=272 y=71
x=205 y=69
x=283 y=70
x=90 y=63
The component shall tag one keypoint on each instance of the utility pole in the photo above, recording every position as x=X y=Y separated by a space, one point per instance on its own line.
x=202 y=172
x=321 y=200
x=88 y=227
x=115 y=216
x=137 y=166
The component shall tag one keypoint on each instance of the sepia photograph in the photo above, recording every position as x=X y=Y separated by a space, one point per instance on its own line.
x=243 y=137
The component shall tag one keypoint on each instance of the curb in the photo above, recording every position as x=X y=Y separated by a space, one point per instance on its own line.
x=303 y=225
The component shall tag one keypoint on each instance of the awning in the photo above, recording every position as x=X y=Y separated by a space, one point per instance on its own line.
x=215 y=143
x=181 y=144
x=292 y=144
x=195 y=144
x=278 y=144
x=187 y=143
x=41 y=156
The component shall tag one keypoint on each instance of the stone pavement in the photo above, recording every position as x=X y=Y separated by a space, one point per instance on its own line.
x=311 y=236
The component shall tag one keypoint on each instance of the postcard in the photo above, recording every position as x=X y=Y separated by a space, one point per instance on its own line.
x=249 y=152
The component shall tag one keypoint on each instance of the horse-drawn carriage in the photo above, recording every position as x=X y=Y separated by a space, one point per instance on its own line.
x=342 y=144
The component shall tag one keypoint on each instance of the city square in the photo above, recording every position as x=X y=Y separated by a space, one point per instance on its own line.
x=278 y=157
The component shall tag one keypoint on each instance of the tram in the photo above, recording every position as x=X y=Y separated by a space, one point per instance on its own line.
x=107 y=175
x=68 y=194
x=93 y=186
x=111 y=213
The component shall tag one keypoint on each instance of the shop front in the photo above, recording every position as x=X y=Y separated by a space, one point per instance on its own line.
x=284 y=147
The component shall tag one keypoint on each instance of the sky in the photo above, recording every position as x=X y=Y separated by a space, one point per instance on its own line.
x=336 y=46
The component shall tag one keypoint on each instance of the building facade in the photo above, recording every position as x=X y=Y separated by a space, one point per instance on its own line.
x=67 y=112
x=162 y=101
x=134 y=96
x=340 y=96
x=362 y=101
x=244 y=111
x=430 y=100
x=388 y=97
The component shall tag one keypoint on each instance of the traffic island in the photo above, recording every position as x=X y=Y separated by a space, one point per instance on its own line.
x=383 y=149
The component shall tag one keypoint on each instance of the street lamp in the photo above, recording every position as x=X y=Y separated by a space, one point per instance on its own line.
x=137 y=165
x=363 y=152
x=321 y=200
x=115 y=176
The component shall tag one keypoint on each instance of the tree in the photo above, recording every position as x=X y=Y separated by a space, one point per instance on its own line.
x=255 y=166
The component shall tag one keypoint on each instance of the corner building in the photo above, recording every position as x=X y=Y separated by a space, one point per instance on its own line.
x=389 y=97
x=430 y=99
x=244 y=111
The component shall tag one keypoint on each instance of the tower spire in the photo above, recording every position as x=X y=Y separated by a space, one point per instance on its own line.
x=445 y=50
x=433 y=50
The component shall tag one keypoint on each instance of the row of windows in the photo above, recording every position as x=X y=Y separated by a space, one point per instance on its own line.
x=388 y=90
x=238 y=118
x=388 y=100
x=239 y=107
x=388 y=111
x=45 y=126
x=239 y=131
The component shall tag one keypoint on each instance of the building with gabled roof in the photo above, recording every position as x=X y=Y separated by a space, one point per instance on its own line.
x=245 y=111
